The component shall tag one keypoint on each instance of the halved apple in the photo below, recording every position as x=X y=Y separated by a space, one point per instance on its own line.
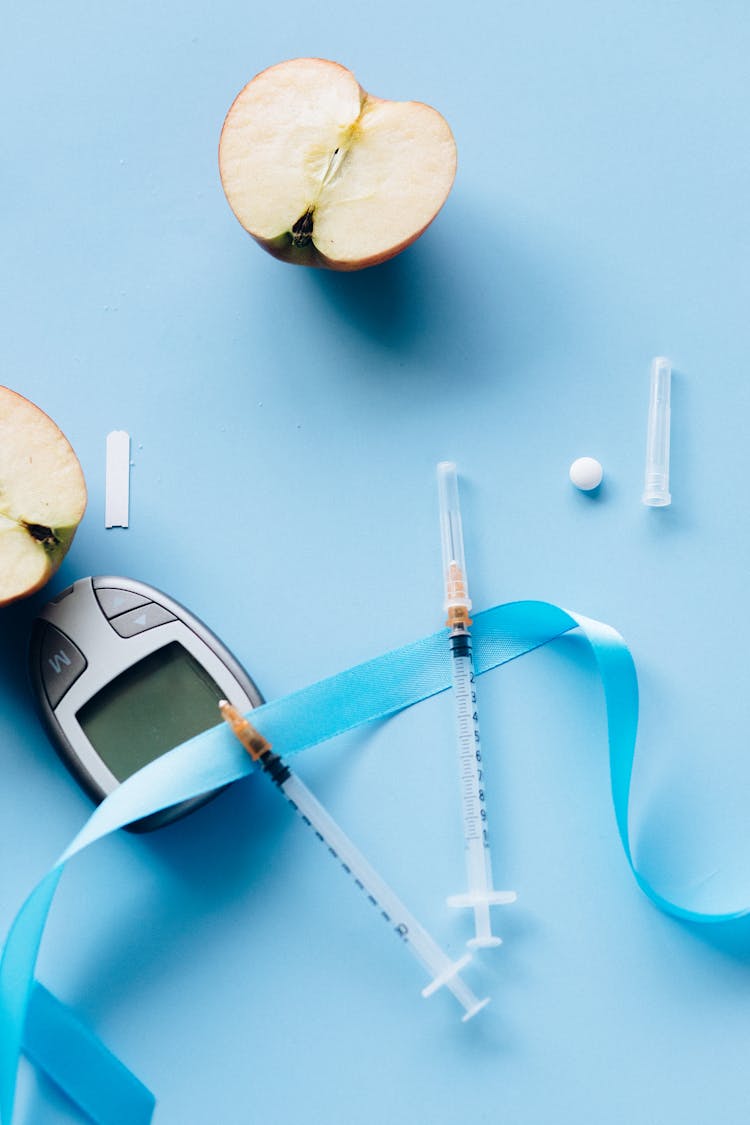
x=321 y=173
x=42 y=496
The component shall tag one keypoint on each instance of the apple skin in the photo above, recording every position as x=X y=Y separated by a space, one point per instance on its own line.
x=55 y=551
x=50 y=544
x=283 y=248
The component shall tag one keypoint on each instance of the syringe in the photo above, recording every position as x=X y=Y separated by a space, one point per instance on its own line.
x=405 y=925
x=480 y=895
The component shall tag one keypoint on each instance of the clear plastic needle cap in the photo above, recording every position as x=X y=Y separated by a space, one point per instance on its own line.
x=452 y=539
x=656 y=492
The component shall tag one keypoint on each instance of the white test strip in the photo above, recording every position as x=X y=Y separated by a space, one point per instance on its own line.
x=117 y=488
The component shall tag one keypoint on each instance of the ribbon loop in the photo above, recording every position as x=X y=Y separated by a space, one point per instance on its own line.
x=374 y=690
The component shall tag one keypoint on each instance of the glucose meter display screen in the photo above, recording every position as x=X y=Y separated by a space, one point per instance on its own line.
x=152 y=707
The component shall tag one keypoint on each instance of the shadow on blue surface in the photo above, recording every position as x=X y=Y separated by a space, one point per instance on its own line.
x=200 y=869
x=729 y=938
x=15 y=628
x=431 y=303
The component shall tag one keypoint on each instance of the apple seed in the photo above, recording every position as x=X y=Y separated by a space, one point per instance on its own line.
x=303 y=229
x=42 y=534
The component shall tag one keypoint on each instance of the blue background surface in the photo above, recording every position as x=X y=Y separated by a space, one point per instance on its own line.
x=285 y=425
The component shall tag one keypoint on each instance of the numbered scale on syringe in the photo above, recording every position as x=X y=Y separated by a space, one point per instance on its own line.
x=480 y=894
x=469 y=745
x=444 y=972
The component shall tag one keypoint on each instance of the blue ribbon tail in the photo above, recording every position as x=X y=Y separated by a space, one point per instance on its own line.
x=78 y=1062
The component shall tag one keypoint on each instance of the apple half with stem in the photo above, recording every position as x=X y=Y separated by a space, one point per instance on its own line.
x=42 y=496
x=321 y=173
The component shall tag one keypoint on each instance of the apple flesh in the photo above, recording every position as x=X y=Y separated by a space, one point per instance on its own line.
x=321 y=173
x=42 y=496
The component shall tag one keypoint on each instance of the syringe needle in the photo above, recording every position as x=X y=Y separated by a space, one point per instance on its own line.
x=425 y=949
x=480 y=895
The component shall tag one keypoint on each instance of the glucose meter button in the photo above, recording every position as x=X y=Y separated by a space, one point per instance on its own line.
x=61 y=664
x=137 y=621
x=113 y=602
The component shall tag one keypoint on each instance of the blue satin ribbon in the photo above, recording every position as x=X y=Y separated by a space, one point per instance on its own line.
x=374 y=690
x=57 y=1041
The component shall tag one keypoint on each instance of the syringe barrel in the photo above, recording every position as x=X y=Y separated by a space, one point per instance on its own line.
x=656 y=492
x=467 y=739
x=420 y=943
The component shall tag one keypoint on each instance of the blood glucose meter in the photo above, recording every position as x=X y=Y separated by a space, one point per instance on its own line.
x=122 y=674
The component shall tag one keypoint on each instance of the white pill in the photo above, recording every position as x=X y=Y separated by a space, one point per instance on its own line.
x=586 y=473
